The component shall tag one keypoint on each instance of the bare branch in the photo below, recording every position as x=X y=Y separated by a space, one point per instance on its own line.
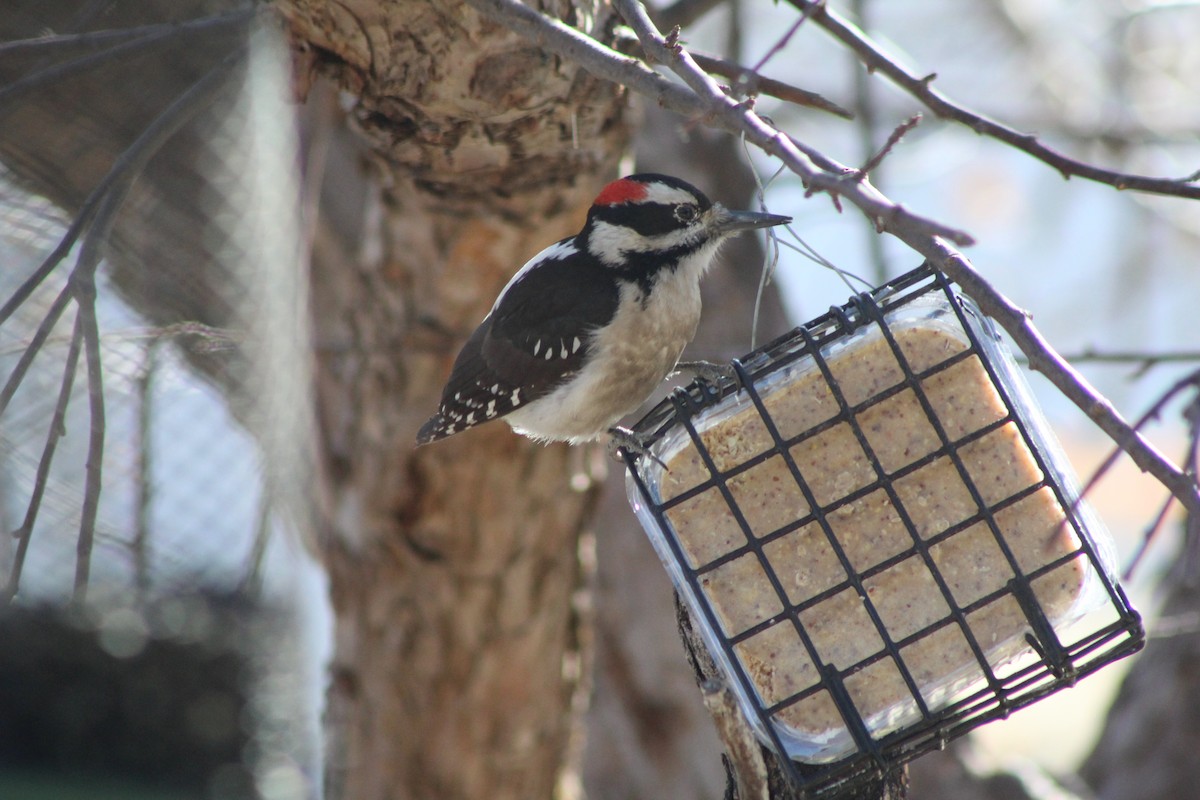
x=781 y=43
x=85 y=293
x=97 y=215
x=144 y=486
x=150 y=36
x=55 y=431
x=1143 y=360
x=124 y=170
x=96 y=39
x=1074 y=386
x=707 y=103
x=739 y=118
x=893 y=139
x=748 y=82
x=920 y=87
x=49 y=320
x=55 y=258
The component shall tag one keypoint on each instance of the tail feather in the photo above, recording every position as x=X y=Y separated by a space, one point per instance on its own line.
x=436 y=427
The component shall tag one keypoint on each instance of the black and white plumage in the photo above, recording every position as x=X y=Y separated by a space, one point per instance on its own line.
x=589 y=327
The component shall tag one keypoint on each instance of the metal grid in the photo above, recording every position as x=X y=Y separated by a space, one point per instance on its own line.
x=1056 y=663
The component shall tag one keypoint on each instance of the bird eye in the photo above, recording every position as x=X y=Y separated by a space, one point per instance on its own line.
x=686 y=212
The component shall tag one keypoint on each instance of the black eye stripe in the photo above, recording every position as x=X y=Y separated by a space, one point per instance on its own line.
x=647 y=219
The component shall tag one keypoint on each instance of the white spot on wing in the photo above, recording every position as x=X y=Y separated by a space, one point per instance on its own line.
x=537 y=346
x=575 y=345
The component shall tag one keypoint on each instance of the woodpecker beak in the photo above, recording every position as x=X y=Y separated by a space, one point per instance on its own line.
x=726 y=222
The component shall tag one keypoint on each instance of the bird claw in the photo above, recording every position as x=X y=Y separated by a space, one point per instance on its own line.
x=625 y=439
x=708 y=371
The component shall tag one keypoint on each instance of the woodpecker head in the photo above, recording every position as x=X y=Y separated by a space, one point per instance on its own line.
x=644 y=222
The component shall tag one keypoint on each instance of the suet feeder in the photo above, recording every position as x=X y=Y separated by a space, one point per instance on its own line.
x=877 y=534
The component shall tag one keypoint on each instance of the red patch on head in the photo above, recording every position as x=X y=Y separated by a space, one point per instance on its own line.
x=622 y=191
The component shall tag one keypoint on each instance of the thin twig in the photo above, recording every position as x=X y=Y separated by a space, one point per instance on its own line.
x=93 y=472
x=144 y=501
x=71 y=41
x=920 y=87
x=252 y=582
x=49 y=320
x=102 y=207
x=208 y=338
x=131 y=162
x=749 y=82
x=1142 y=360
x=56 y=430
x=1073 y=385
x=62 y=69
x=1151 y=531
x=826 y=176
x=30 y=284
x=1151 y=414
x=893 y=139
x=780 y=43
x=83 y=287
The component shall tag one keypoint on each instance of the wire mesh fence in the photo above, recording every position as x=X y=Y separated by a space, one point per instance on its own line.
x=155 y=415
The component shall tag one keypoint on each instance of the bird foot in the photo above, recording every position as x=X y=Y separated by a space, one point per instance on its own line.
x=625 y=439
x=708 y=371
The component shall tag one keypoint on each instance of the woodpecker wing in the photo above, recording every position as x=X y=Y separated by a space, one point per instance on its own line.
x=536 y=337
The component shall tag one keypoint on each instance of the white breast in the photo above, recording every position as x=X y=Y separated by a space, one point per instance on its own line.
x=631 y=357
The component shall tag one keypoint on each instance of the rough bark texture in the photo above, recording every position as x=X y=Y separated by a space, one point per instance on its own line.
x=452 y=568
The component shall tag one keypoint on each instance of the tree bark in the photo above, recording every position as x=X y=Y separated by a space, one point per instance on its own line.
x=452 y=569
x=1152 y=735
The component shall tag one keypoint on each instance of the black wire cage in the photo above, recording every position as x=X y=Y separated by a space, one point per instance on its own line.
x=878 y=535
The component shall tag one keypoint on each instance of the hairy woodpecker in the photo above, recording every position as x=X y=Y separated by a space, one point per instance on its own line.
x=588 y=328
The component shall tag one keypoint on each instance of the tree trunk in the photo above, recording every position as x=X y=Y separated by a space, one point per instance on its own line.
x=1152 y=735
x=453 y=568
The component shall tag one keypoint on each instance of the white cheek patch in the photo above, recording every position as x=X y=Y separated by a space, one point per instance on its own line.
x=610 y=242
